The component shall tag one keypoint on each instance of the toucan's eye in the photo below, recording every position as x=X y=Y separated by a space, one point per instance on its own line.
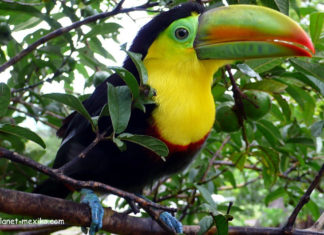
x=181 y=33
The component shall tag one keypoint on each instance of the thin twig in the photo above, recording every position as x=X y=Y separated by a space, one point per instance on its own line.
x=21 y=101
x=75 y=25
x=33 y=116
x=303 y=200
x=57 y=73
x=211 y=162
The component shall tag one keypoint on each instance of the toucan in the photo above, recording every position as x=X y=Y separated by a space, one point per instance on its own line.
x=181 y=49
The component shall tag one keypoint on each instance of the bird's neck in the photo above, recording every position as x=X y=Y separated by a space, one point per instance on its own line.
x=185 y=110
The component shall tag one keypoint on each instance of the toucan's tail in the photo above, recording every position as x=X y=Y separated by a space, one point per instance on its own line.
x=52 y=188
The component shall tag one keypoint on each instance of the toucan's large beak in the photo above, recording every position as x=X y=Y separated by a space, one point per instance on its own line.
x=246 y=31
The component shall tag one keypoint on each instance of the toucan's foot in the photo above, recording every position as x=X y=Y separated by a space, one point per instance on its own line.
x=97 y=211
x=172 y=222
x=167 y=218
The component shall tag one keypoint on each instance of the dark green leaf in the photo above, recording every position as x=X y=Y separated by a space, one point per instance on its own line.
x=104 y=29
x=283 y=6
x=266 y=85
x=206 y=195
x=137 y=59
x=149 y=142
x=72 y=102
x=205 y=224
x=218 y=91
x=22 y=132
x=96 y=46
x=284 y=106
x=4 y=98
x=104 y=111
x=305 y=101
x=221 y=225
x=16 y=143
x=314 y=69
x=129 y=79
x=302 y=140
x=268 y=134
x=119 y=104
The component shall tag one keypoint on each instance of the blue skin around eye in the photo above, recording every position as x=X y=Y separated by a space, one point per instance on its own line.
x=97 y=211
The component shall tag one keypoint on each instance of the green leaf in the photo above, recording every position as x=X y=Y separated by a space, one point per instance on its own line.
x=266 y=85
x=218 y=91
x=96 y=46
x=239 y=160
x=305 y=101
x=316 y=25
x=30 y=23
x=230 y=177
x=268 y=134
x=280 y=192
x=270 y=159
x=284 y=106
x=246 y=69
x=205 y=224
x=137 y=60
x=4 y=98
x=120 y=144
x=149 y=142
x=104 y=29
x=206 y=195
x=283 y=6
x=104 y=111
x=22 y=132
x=16 y=143
x=119 y=104
x=302 y=140
x=271 y=127
x=129 y=79
x=313 y=209
x=317 y=128
x=72 y=102
x=314 y=69
x=221 y=224
x=261 y=65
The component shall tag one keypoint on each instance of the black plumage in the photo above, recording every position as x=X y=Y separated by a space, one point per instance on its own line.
x=136 y=167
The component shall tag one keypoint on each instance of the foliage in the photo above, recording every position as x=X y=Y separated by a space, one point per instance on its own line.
x=275 y=157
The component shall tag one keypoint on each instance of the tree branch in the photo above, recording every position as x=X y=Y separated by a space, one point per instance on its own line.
x=28 y=204
x=97 y=186
x=75 y=25
x=303 y=200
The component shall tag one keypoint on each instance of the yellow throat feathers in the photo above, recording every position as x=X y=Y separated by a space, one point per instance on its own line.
x=186 y=109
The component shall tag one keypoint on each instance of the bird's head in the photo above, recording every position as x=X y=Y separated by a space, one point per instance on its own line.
x=221 y=35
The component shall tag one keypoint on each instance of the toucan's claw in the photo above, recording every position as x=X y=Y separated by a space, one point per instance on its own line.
x=172 y=222
x=97 y=211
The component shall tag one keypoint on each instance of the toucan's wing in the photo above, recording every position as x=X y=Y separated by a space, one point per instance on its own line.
x=76 y=131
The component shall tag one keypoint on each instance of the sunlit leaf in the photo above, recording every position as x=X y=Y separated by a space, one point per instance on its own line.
x=22 y=132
